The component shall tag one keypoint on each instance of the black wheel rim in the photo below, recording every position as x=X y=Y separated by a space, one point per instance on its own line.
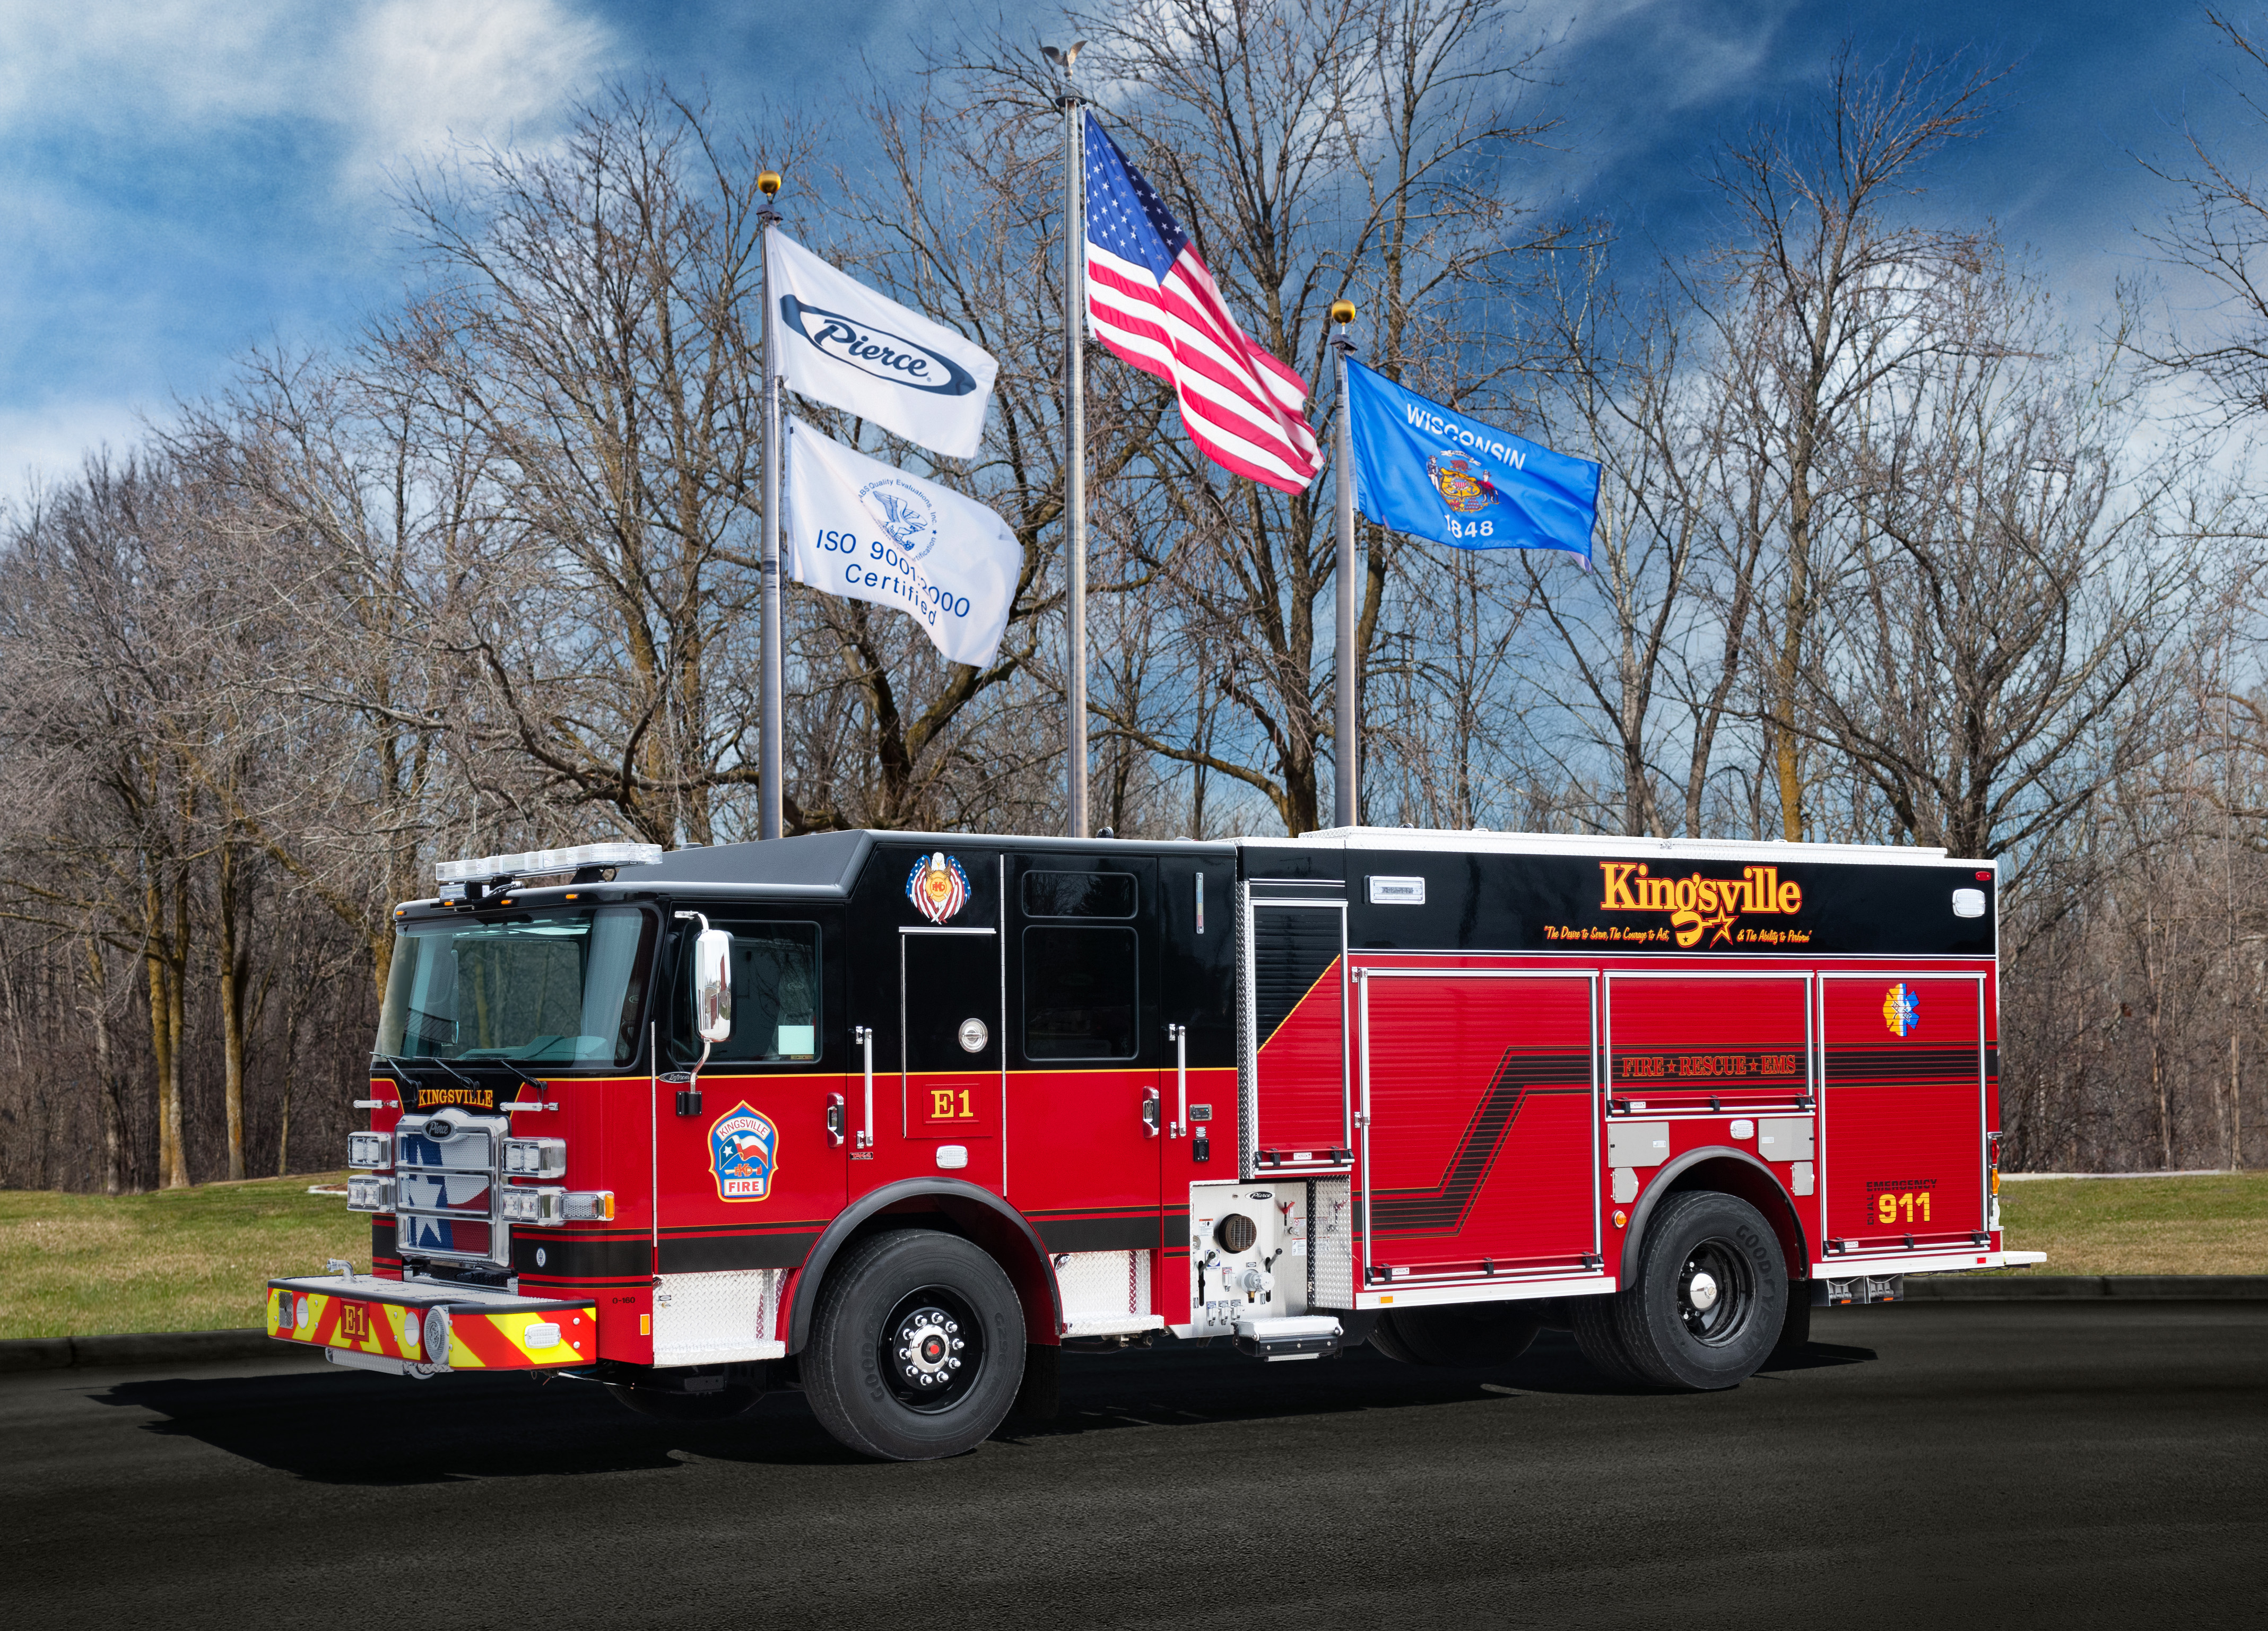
x=931 y=1350
x=1716 y=1293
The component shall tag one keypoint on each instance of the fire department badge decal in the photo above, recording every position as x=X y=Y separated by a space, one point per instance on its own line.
x=1901 y=1011
x=938 y=886
x=743 y=1153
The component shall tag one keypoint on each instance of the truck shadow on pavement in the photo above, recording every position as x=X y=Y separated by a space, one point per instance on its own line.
x=349 y=1428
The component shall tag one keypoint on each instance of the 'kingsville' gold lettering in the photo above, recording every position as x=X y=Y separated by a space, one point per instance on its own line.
x=1696 y=904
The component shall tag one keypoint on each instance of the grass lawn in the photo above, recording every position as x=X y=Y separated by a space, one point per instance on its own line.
x=181 y=1259
x=197 y=1259
x=2216 y=1225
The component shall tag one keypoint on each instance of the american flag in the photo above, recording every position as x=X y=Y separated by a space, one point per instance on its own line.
x=1152 y=301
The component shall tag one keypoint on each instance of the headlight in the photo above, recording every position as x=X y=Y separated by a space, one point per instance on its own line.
x=535 y=1158
x=584 y=1205
x=539 y=1207
x=370 y=1150
x=370 y=1195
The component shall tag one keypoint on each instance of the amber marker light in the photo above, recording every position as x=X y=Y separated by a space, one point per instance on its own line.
x=1622 y=1218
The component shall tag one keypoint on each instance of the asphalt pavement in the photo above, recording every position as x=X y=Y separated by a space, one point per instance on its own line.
x=2057 y=1464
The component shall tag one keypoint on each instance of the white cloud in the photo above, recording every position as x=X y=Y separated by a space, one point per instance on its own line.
x=45 y=446
x=426 y=72
x=390 y=78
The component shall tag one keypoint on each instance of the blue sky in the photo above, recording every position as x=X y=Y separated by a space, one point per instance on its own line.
x=185 y=179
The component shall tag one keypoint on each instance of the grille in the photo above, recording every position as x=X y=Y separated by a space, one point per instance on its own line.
x=447 y=1190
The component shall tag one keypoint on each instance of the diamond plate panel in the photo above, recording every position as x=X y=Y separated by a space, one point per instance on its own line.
x=1103 y=1284
x=718 y=1318
x=1330 y=1244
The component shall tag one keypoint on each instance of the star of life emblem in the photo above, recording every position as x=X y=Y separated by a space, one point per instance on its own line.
x=938 y=886
x=1901 y=1010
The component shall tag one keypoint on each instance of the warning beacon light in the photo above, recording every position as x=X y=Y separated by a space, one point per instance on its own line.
x=469 y=883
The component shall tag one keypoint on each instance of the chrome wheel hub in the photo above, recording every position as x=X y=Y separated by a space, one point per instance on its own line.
x=929 y=1347
x=1716 y=1290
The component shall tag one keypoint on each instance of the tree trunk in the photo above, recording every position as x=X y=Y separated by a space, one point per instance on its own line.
x=231 y=1009
x=114 y=1172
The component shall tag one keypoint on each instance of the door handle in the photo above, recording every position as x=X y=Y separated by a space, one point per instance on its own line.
x=1179 y=1035
x=865 y=1036
x=1151 y=1106
x=836 y=1115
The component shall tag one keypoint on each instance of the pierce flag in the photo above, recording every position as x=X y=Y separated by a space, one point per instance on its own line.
x=858 y=527
x=842 y=344
x=1435 y=473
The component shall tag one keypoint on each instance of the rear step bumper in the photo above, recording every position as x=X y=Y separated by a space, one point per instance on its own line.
x=422 y=1327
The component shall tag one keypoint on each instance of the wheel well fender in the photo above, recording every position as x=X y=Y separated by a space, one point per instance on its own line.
x=1735 y=1172
x=960 y=1208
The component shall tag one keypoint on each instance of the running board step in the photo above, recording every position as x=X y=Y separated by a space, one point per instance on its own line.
x=1299 y=1336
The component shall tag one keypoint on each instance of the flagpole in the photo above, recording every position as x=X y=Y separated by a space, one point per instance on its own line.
x=1075 y=445
x=772 y=680
x=1345 y=801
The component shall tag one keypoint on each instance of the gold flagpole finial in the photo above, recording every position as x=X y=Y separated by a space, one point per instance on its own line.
x=1341 y=313
x=768 y=183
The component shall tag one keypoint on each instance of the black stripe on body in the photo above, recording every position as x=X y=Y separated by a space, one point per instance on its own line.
x=1442 y=1209
x=1122 y=1232
x=1902 y=1064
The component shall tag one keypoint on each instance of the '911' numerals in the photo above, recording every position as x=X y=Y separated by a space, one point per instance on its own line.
x=1891 y=1209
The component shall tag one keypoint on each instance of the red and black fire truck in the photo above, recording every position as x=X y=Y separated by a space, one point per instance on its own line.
x=895 y=1118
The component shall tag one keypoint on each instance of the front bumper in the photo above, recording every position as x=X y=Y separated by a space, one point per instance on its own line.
x=391 y=1325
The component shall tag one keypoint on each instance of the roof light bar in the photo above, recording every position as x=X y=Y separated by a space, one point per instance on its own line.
x=533 y=862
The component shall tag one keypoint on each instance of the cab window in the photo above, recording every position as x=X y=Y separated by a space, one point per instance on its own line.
x=1080 y=992
x=776 y=997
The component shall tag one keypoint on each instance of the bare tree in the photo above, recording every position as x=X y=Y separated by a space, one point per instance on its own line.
x=1821 y=298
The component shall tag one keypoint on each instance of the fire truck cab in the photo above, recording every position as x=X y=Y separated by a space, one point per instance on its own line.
x=893 y=1118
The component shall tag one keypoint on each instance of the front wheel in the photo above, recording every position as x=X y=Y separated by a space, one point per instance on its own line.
x=1708 y=1302
x=918 y=1347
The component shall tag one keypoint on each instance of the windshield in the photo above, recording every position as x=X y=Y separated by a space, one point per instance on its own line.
x=554 y=987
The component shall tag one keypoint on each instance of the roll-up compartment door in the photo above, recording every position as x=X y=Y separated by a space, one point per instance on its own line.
x=1901 y=1110
x=1297 y=1110
x=1481 y=1138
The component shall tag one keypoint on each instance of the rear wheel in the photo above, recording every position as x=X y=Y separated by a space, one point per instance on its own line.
x=1459 y=1333
x=1592 y=1320
x=918 y=1347
x=1707 y=1304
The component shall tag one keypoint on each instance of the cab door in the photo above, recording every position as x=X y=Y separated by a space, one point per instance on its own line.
x=751 y=1151
x=1087 y=1102
x=949 y=1028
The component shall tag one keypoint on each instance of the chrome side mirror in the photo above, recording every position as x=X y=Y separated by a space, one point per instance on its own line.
x=712 y=984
